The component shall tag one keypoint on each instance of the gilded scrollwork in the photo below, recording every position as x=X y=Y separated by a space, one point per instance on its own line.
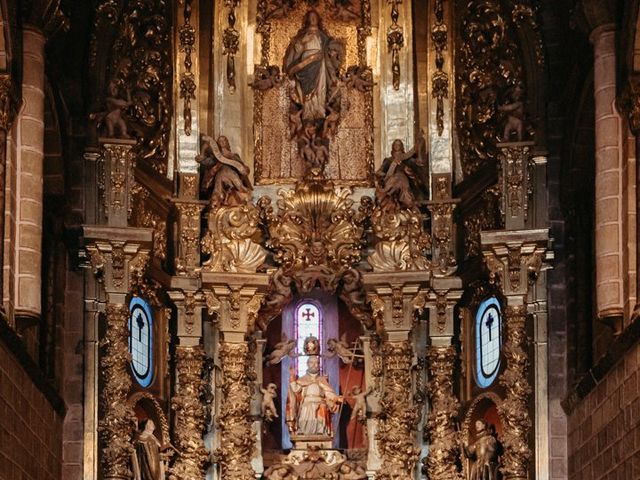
x=514 y=409
x=238 y=440
x=317 y=238
x=399 y=416
x=230 y=240
x=189 y=413
x=491 y=68
x=445 y=408
x=117 y=420
x=8 y=102
x=140 y=76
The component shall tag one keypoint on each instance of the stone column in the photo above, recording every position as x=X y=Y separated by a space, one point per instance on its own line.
x=394 y=297
x=236 y=300
x=514 y=259
x=441 y=356
x=609 y=202
x=30 y=177
x=8 y=104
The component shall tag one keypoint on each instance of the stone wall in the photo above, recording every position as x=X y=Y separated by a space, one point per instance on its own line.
x=604 y=428
x=30 y=426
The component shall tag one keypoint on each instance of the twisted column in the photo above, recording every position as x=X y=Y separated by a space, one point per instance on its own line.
x=399 y=416
x=514 y=409
x=237 y=438
x=190 y=413
x=443 y=439
x=118 y=421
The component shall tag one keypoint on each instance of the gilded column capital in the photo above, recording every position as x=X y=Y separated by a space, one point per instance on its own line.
x=514 y=258
x=118 y=257
x=190 y=305
x=394 y=299
x=8 y=102
x=236 y=305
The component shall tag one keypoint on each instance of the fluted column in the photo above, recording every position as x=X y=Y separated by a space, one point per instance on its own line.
x=609 y=202
x=30 y=178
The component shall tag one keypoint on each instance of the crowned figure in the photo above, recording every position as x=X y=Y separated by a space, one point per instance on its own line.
x=311 y=400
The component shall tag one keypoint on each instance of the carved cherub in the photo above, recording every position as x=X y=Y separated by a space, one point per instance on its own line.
x=266 y=77
x=226 y=177
x=340 y=348
x=282 y=349
x=401 y=176
x=344 y=11
x=269 y=394
x=358 y=78
x=281 y=8
x=351 y=471
x=359 y=411
x=514 y=110
x=280 y=472
x=112 y=118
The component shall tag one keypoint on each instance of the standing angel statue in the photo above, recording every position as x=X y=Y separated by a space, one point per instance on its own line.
x=226 y=177
x=402 y=175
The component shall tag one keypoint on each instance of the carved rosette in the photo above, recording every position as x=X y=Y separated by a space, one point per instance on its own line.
x=514 y=409
x=401 y=242
x=440 y=428
x=230 y=242
x=117 y=422
x=189 y=413
x=237 y=438
x=398 y=417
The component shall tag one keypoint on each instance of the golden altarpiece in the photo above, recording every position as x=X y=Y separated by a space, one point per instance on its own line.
x=318 y=236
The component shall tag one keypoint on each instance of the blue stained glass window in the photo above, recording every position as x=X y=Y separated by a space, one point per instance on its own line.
x=308 y=322
x=488 y=341
x=141 y=341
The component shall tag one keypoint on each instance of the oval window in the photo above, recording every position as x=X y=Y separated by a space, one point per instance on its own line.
x=488 y=341
x=141 y=341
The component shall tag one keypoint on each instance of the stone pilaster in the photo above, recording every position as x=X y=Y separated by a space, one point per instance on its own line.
x=442 y=226
x=514 y=260
x=515 y=160
x=115 y=179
